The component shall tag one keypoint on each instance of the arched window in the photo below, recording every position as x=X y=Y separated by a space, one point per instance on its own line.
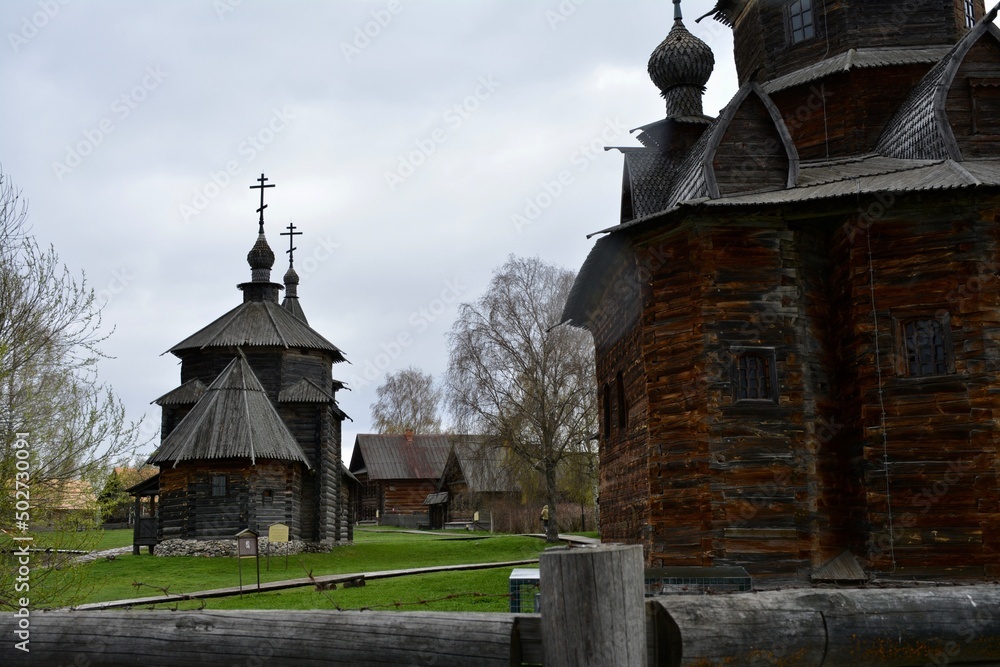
x=622 y=405
x=607 y=410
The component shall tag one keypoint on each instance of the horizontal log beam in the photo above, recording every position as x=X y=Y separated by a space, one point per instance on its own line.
x=300 y=638
x=902 y=627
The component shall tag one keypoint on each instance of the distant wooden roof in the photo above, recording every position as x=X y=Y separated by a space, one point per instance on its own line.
x=234 y=419
x=384 y=456
x=258 y=324
x=481 y=467
x=307 y=391
x=186 y=394
x=292 y=305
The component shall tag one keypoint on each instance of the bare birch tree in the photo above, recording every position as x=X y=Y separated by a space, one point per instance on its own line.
x=520 y=380
x=62 y=429
x=408 y=399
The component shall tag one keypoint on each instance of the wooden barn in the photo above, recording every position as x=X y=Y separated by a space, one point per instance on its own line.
x=797 y=316
x=475 y=481
x=396 y=473
x=252 y=436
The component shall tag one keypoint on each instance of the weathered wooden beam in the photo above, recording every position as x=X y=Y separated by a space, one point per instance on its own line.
x=903 y=627
x=592 y=607
x=299 y=638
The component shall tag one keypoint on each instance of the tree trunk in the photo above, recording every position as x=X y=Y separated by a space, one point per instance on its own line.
x=552 y=493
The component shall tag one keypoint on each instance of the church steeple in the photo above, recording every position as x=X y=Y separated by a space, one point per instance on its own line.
x=260 y=258
x=291 y=302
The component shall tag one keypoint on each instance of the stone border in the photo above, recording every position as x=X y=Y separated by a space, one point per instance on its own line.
x=227 y=548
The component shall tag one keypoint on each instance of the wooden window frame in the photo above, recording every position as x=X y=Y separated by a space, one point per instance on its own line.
x=804 y=11
x=213 y=486
x=941 y=321
x=970 y=14
x=740 y=354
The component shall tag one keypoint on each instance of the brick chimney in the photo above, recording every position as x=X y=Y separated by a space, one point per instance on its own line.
x=408 y=433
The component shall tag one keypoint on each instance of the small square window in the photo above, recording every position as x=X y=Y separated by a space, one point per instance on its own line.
x=219 y=484
x=754 y=376
x=267 y=497
x=924 y=346
x=800 y=21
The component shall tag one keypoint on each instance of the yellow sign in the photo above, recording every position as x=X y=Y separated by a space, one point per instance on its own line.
x=278 y=532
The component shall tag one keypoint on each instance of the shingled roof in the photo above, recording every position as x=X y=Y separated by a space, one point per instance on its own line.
x=234 y=419
x=258 y=324
x=481 y=467
x=385 y=456
x=307 y=391
x=920 y=129
x=648 y=174
x=186 y=394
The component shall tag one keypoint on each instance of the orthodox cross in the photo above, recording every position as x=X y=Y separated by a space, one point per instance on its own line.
x=261 y=187
x=291 y=234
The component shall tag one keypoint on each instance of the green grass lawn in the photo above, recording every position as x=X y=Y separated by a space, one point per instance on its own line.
x=89 y=540
x=372 y=551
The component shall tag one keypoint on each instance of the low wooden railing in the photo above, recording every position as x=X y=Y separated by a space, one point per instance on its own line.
x=593 y=614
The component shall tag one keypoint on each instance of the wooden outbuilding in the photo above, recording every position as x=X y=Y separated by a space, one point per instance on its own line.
x=397 y=472
x=252 y=436
x=797 y=316
x=475 y=482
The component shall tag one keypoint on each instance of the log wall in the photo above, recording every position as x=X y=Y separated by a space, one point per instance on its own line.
x=782 y=486
x=844 y=114
x=623 y=470
x=189 y=511
x=932 y=257
x=973 y=105
x=762 y=39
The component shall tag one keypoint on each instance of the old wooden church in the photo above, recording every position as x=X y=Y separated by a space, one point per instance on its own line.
x=797 y=317
x=252 y=436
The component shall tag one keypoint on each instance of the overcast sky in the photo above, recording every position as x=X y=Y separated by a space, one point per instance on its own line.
x=404 y=139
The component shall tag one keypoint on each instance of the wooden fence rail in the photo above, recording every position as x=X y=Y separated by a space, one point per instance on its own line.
x=907 y=627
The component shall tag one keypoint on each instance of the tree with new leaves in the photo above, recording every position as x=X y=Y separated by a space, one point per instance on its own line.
x=62 y=429
x=518 y=378
x=408 y=399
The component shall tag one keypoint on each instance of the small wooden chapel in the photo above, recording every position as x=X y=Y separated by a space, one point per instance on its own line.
x=252 y=435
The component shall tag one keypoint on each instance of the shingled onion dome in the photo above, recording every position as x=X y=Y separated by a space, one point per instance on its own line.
x=291 y=282
x=291 y=302
x=680 y=67
x=261 y=259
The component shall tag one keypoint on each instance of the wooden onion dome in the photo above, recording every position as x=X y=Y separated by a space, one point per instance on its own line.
x=680 y=67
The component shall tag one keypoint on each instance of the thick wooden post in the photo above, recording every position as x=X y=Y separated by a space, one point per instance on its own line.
x=592 y=607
